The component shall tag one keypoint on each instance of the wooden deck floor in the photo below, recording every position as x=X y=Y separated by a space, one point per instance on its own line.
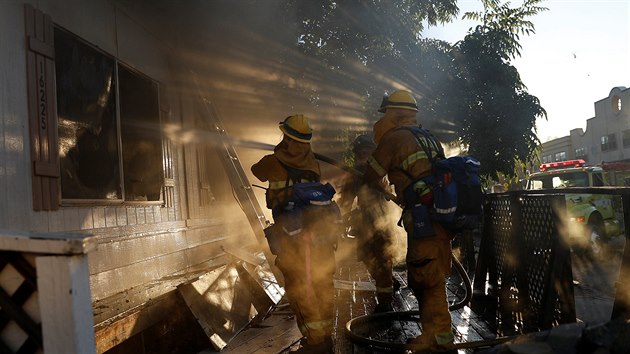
x=594 y=284
x=355 y=296
x=467 y=326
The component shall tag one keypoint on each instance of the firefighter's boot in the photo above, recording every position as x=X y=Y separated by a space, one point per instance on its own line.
x=323 y=347
x=439 y=343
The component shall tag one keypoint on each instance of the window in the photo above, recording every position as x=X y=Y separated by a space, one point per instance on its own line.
x=616 y=104
x=625 y=138
x=108 y=126
x=564 y=180
x=535 y=184
x=141 y=137
x=608 y=142
x=598 y=180
x=581 y=153
x=546 y=159
x=561 y=156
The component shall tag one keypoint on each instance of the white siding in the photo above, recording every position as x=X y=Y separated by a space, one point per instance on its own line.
x=15 y=182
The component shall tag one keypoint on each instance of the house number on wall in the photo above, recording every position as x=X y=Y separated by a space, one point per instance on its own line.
x=42 y=97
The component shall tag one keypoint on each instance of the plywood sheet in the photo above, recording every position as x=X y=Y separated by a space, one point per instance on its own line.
x=221 y=302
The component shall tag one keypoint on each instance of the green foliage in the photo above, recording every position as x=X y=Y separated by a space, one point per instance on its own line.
x=345 y=138
x=502 y=25
x=469 y=94
x=497 y=115
x=365 y=30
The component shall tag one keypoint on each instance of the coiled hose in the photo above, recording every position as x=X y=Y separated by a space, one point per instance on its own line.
x=413 y=316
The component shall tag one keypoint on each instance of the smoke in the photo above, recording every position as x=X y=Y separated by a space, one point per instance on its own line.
x=596 y=261
x=246 y=61
x=372 y=221
x=182 y=136
x=249 y=64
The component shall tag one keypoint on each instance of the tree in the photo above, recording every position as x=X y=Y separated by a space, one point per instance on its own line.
x=366 y=30
x=497 y=115
x=364 y=41
x=469 y=93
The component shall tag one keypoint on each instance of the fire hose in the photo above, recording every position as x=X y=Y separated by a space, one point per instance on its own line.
x=413 y=316
x=406 y=316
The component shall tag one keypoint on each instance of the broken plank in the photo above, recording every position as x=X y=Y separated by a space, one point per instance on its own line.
x=255 y=259
x=274 y=335
x=221 y=302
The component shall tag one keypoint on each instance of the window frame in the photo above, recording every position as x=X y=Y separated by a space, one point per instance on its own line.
x=117 y=66
x=43 y=123
x=625 y=138
x=560 y=156
x=616 y=104
x=581 y=153
x=608 y=142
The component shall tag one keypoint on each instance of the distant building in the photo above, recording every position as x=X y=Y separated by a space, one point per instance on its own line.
x=607 y=135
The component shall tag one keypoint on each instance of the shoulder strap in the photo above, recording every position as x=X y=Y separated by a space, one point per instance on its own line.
x=427 y=142
x=432 y=145
x=296 y=175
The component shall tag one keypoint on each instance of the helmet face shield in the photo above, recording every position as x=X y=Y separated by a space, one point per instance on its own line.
x=384 y=103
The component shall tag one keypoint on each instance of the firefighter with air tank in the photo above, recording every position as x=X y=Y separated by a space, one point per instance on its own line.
x=368 y=222
x=307 y=224
x=401 y=158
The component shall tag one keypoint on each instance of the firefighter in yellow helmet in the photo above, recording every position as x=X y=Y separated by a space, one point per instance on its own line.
x=368 y=223
x=399 y=156
x=303 y=236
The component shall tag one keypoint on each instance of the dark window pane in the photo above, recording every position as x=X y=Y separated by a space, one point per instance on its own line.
x=613 y=141
x=141 y=136
x=598 y=180
x=88 y=146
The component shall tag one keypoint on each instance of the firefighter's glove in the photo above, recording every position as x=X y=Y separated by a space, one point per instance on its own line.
x=423 y=193
x=427 y=198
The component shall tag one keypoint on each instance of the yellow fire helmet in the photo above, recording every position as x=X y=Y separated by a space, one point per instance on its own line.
x=399 y=99
x=297 y=128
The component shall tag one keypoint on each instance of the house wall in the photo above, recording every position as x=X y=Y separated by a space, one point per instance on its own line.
x=144 y=250
x=14 y=157
x=555 y=147
x=609 y=119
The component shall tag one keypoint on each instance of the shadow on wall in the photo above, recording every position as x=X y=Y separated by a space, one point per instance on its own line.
x=248 y=63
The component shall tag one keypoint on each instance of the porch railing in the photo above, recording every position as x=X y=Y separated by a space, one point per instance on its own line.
x=45 y=301
x=523 y=280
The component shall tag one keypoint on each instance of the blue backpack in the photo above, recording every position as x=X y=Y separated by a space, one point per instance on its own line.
x=306 y=197
x=457 y=193
x=456 y=187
